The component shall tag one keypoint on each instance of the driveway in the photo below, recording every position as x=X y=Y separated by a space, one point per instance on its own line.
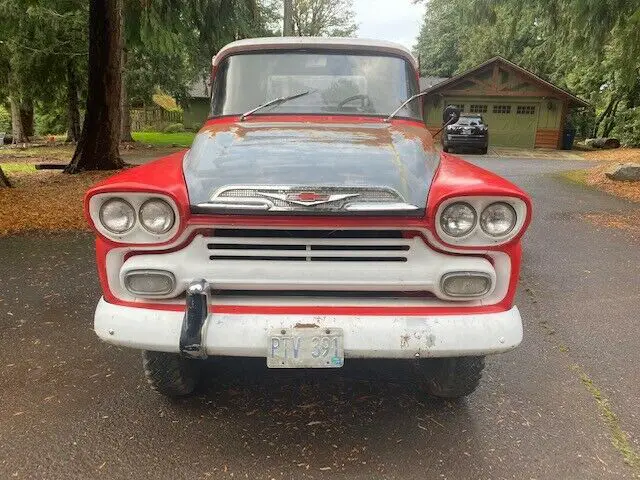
x=563 y=405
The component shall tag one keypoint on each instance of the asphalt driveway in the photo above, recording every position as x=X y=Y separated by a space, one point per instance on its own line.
x=564 y=405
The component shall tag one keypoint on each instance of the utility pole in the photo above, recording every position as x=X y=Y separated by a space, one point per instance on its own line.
x=287 y=28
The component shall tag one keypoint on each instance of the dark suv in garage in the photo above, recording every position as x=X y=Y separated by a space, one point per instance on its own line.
x=469 y=131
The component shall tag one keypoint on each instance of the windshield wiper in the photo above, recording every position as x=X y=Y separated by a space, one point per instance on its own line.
x=275 y=101
x=404 y=104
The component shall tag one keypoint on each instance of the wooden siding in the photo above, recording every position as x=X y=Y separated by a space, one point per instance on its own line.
x=547 y=138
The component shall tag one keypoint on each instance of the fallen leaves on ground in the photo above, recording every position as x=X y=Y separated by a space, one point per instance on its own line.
x=596 y=178
x=622 y=155
x=45 y=201
x=629 y=222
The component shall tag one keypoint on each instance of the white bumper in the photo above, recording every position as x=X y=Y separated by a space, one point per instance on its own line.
x=364 y=336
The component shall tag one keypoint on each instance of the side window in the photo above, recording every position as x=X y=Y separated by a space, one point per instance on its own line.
x=526 y=110
x=502 y=109
x=218 y=92
x=477 y=108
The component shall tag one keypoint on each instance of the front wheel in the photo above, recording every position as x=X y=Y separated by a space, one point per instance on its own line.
x=445 y=149
x=484 y=150
x=171 y=374
x=454 y=377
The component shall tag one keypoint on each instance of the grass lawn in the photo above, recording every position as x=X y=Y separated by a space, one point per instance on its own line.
x=9 y=168
x=160 y=139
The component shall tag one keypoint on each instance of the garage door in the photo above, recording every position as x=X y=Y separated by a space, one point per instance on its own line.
x=511 y=124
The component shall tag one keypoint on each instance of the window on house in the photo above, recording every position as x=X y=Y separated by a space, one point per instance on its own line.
x=502 y=109
x=477 y=108
x=526 y=110
x=460 y=106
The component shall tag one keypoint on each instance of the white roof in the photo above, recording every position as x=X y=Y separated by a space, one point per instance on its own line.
x=325 y=43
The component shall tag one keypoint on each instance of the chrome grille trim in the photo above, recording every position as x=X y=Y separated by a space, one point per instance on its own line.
x=330 y=199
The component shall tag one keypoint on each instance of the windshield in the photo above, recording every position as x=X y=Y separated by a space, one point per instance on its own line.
x=338 y=84
x=469 y=121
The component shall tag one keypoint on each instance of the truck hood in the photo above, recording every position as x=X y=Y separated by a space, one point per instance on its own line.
x=310 y=168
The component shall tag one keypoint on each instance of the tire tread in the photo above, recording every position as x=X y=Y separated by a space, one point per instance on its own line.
x=170 y=374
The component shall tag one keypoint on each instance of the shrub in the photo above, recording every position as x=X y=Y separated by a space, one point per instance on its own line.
x=627 y=128
x=51 y=121
x=174 y=128
x=5 y=120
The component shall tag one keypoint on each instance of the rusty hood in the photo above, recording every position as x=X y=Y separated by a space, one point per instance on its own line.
x=310 y=168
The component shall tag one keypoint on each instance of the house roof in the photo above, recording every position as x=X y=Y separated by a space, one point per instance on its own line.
x=550 y=86
x=198 y=89
x=430 y=81
x=324 y=43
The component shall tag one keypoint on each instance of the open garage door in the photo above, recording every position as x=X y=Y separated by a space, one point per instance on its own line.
x=511 y=124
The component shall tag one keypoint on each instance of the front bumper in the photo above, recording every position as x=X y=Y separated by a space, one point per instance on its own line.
x=465 y=141
x=246 y=335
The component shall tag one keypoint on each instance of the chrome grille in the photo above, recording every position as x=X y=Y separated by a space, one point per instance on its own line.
x=308 y=246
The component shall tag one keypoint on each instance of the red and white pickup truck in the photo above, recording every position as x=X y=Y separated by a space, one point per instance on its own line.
x=311 y=222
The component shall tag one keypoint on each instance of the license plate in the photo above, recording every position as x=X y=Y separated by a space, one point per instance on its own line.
x=306 y=348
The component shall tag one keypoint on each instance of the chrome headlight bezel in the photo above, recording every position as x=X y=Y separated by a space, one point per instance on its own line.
x=477 y=237
x=138 y=235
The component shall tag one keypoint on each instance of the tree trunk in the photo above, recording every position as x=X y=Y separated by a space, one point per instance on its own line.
x=26 y=114
x=73 y=114
x=4 y=181
x=17 y=130
x=97 y=148
x=611 y=121
x=125 y=133
x=287 y=26
x=602 y=116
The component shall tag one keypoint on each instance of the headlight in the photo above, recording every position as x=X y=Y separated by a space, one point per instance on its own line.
x=498 y=219
x=117 y=216
x=458 y=219
x=157 y=216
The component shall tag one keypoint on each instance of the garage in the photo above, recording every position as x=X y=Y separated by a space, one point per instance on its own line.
x=521 y=109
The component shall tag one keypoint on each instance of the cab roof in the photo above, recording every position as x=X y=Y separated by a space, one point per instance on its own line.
x=314 y=43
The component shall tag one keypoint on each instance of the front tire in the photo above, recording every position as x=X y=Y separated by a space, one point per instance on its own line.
x=445 y=149
x=454 y=377
x=170 y=374
x=484 y=150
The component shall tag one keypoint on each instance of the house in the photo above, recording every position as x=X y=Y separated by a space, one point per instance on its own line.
x=196 y=109
x=520 y=108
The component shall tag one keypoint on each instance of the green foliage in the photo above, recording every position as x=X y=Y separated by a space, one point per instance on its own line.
x=439 y=39
x=627 y=127
x=174 y=128
x=5 y=120
x=331 y=18
x=50 y=121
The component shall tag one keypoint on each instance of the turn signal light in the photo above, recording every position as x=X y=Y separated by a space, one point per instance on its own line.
x=466 y=284
x=149 y=283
